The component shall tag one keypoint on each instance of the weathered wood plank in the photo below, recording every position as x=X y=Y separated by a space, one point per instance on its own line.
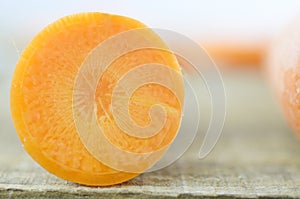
x=257 y=156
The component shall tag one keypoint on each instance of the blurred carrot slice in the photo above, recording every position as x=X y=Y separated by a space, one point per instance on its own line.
x=284 y=72
x=237 y=55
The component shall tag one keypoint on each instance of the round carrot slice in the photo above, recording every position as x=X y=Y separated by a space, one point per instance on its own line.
x=284 y=73
x=97 y=99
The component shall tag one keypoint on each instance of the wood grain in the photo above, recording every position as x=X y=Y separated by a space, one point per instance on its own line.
x=256 y=157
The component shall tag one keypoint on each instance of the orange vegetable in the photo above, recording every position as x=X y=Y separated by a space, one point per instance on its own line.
x=84 y=135
x=237 y=55
x=284 y=71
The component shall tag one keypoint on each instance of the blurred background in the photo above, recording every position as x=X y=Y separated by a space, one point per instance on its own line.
x=236 y=33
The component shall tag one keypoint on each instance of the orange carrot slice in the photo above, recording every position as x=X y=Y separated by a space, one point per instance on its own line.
x=284 y=73
x=237 y=55
x=88 y=120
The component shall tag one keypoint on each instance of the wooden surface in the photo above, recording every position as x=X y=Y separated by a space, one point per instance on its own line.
x=257 y=156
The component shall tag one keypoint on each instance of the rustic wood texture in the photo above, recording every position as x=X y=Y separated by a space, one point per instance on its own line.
x=257 y=156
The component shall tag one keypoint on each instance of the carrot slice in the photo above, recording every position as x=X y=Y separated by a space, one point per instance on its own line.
x=96 y=134
x=284 y=73
x=238 y=55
